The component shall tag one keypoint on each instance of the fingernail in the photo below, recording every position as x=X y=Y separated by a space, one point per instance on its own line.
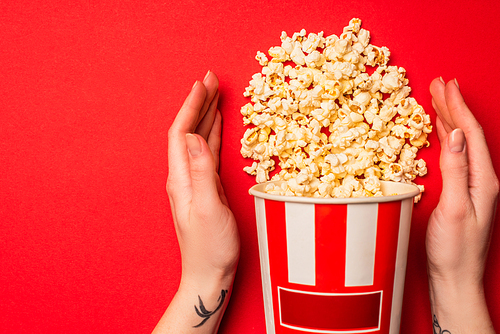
x=194 y=85
x=441 y=79
x=456 y=83
x=193 y=144
x=457 y=141
x=206 y=75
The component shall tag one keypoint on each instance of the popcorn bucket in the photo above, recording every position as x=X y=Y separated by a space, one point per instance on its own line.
x=334 y=265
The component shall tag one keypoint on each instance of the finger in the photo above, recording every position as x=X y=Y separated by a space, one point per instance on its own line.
x=437 y=89
x=441 y=132
x=462 y=116
x=187 y=117
x=479 y=157
x=214 y=141
x=222 y=195
x=482 y=180
x=206 y=123
x=455 y=170
x=178 y=175
x=458 y=110
x=214 y=138
x=211 y=83
x=221 y=192
x=445 y=126
x=202 y=171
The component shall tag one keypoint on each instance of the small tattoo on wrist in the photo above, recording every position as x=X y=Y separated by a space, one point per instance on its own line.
x=437 y=327
x=204 y=313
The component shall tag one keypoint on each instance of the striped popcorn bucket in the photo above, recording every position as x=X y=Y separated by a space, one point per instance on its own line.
x=334 y=265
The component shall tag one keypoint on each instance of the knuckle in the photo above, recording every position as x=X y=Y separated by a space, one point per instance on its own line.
x=202 y=215
x=169 y=186
x=480 y=129
x=458 y=172
x=477 y=129
x=199 y=174
x=215 y=150
x=202 y=168
x=490 y=187
x=495 y=187
x=171 y=133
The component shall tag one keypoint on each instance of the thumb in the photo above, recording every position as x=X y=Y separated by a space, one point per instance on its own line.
x=202 y=170
x=455 y=166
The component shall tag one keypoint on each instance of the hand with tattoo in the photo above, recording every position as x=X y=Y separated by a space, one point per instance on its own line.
x=460 y=227
x=205 y=226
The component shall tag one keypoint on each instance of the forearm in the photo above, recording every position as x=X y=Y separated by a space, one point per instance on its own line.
x=197 y=307
x=459 y=308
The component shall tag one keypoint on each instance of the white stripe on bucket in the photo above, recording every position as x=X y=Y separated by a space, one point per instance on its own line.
x=300 y=238
x=401 y=259
x=260 y=213
x=360 y=244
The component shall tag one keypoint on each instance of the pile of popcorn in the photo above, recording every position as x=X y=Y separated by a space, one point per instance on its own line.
x=334 y=129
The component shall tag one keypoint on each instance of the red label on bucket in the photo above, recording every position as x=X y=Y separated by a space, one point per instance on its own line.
x=334 y=312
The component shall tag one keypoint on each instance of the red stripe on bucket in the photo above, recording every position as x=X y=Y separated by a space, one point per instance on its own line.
x=385 y=256
x=276 y=239
x=326 y=312
x=330 y=246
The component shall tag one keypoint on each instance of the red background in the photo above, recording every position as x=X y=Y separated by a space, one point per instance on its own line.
x=87 y=93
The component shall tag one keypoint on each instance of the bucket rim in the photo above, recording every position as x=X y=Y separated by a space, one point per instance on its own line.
x=400 y=190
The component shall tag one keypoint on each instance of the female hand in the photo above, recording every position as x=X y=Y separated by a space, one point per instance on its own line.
x=459 y=229
x=205 y=226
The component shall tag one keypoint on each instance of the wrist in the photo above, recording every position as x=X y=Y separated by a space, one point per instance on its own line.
x=452 y=297
x=199 y=274
x=198 y=305
x=204 y=301
x=459 y=306
x=455 y=287
x=209 y=282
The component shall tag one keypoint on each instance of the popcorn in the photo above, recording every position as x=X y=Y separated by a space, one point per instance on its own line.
x=332 y=129
x=261 y=58
x=278 y=53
